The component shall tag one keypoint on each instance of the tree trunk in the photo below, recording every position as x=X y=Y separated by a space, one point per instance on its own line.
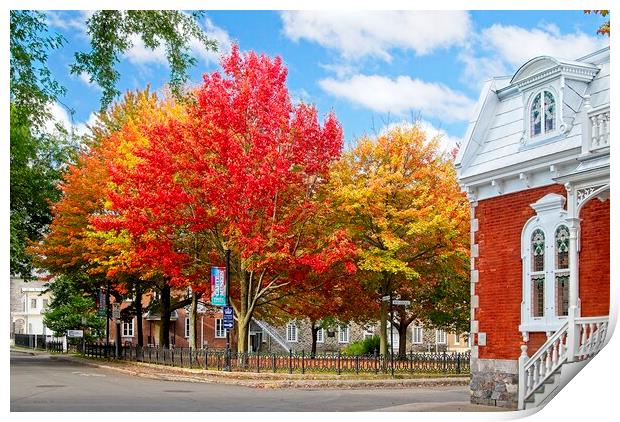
x=164 y=332
x=192 y=321
x=402 y=340
x=138 y=306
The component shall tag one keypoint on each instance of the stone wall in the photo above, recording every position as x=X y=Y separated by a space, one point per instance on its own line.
x=495 y=383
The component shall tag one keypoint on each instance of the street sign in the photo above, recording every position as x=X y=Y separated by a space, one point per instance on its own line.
x=116 y=311
x=385 y=298
x=401 y=302
x=75 y=333
x=228 y=321
x=218 y=286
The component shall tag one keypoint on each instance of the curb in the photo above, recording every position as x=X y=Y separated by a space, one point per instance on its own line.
x=268 y=381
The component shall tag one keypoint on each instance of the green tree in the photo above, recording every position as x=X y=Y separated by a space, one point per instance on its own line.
x=72 y=308
x=110 y=34
x=38 y=158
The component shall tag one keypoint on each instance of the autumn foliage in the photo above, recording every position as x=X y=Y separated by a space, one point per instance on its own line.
x=168 y=187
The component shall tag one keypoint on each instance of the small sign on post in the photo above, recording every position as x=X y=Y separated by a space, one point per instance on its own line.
x=228 y=321
x=401 y=302
x=116 y=311
x=75 y=333
x=218 y=286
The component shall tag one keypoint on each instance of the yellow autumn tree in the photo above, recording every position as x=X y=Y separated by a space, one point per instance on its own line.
x=398 y=198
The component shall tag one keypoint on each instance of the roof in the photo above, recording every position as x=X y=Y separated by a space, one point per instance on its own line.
x=494 y=144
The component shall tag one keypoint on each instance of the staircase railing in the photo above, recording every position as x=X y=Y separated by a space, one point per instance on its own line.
x=269 y=330
x=533 y=372
x=577 y=340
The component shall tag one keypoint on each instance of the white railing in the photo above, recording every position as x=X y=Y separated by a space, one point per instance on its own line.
x=533 y=372
x=592 y=333
x=577 y=340
x=597 y=127
x=269 y=330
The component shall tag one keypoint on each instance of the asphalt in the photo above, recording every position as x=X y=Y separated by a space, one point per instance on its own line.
x=40 y=382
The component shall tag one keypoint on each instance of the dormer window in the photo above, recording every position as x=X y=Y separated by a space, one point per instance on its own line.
x=542 y=114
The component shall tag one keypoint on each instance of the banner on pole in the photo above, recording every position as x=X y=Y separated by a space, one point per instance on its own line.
x=218 y=286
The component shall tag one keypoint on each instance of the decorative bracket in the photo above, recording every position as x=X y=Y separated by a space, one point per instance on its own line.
x=499 y=185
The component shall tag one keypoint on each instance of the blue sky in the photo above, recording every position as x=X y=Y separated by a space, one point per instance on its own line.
x=371 y=68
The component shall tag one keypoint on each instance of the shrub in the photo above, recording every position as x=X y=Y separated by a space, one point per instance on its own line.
x=362 y=347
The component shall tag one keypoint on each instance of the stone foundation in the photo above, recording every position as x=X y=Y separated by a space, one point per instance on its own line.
x=495 y=382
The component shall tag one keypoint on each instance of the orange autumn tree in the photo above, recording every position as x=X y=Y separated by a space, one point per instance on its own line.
x=73 y=245
x=239 y=174
x=399 y=200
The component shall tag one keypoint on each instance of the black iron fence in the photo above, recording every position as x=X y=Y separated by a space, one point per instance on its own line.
x=299 y=363
x=33 y=341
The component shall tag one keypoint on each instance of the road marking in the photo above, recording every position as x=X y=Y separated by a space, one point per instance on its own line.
x=84 y=374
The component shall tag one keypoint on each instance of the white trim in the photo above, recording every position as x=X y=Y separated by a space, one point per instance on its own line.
x=320 y=335
x=550 y=215
x=186 y=327
x=414 y=339
x=343 y=329
x=292 y=332
x=220 y=332
x=129 y=328
x=441 y=337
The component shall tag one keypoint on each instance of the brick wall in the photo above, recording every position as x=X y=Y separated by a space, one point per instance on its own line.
x=499 y=287
x=594 y=258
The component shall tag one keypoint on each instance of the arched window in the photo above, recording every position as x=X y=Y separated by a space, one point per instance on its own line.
x=537 y=274
x=562 y=274
x=544 y=248
x=542 y=114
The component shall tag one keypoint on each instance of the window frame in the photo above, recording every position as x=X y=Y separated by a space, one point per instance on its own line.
x=544 y=135
x=441 y=337
x=343 y=329
x=219 y=332
x=128 y=328
x=413 y=334
x=186 y=327
x=549 y=218
x=320 y=335
x=33 y=300
x=291 y=327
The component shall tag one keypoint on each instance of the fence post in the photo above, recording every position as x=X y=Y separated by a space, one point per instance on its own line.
x=445 y=362
x=458 y=363
x=258 y=360
x=181 y=357
x=206 y=358
x=338 y=362
x=357 y=365
x=290 y=361
x=303 y=363
x=273 y=362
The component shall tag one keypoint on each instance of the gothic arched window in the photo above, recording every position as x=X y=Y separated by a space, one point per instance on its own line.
x=542 y=113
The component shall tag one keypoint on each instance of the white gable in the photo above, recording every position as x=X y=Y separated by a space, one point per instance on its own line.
x=500 y=155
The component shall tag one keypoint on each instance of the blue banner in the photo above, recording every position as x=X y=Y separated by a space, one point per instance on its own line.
x=218 y=286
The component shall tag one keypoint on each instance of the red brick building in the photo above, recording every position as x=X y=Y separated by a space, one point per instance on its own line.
x=535 y=164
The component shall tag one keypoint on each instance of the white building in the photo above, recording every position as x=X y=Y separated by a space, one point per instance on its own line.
x=28 y=301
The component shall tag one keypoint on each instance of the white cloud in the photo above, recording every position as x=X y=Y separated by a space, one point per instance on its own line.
x=401 y=95
x=62 y=116
x=64 y=21
x=516 y=45
x=500 y=50
x=356 y=34
x=446 y=142
x=141 y=55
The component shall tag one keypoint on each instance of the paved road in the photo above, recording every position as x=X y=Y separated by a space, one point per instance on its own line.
x=49 y=383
